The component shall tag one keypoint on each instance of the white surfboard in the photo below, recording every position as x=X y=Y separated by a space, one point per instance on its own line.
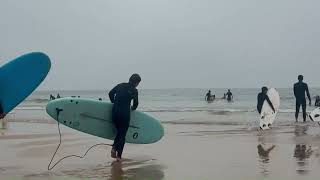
x=267 y=115
x=315 y=115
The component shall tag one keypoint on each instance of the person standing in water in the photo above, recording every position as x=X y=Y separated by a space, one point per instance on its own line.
x=300 y=89
x=52 y=97
x=262 y=96
x=121 y=97
x=229 y=96
x=208 y=96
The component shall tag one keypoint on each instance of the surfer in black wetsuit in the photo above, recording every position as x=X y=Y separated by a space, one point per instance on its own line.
x=262 y=96
x=121 y=97
x=300 y=89
x=52 y=97
x=208 y=96
x=229 y=96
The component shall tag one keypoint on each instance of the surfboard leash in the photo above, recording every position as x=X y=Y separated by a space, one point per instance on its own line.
x=73 y=155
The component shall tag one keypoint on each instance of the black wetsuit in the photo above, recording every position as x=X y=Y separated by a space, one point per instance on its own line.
x=208 y=96
x=1 y=110
x=261 y=98
x=300 y=89
x=229 y=96
x=121 y=96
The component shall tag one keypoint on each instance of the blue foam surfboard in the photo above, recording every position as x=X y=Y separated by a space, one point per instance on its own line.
x=20 y=77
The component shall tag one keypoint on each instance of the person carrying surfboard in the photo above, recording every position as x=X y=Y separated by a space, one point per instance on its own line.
x=262 y=96
x=300 y=89
x=121 y=97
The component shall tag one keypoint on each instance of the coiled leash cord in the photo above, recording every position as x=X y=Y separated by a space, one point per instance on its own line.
x=50 y=168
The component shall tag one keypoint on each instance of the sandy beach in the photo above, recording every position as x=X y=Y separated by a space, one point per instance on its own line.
x=187 y=151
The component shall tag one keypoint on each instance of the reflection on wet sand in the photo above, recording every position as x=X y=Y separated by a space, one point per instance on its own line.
x=152 y=171
x=302 y=152
x=264 y=158
x=128 y=169
x=264 y=154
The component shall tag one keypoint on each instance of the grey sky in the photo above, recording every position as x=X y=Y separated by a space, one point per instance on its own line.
x=94 y=44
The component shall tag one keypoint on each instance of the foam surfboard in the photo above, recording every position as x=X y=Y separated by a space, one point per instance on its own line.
x=94 y=117
x=20 y=77
x=267 y=115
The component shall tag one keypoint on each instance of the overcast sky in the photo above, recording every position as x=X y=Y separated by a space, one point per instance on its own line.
x=95 y=44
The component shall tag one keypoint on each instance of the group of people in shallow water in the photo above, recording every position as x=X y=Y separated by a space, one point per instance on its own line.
x=210 y=98
x=300 y=90
x=53 y=98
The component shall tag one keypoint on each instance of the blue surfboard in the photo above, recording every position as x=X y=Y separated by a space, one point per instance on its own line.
x=20 y=77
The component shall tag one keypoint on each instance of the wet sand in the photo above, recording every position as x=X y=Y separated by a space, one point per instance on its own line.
x=187 y=151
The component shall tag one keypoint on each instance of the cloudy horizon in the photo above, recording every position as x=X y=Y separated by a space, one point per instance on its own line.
x=170 y=43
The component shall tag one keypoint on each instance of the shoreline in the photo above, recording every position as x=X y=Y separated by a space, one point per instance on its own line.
x=185 y=152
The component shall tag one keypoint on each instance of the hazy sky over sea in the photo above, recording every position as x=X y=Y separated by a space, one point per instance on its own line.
x=171 y=43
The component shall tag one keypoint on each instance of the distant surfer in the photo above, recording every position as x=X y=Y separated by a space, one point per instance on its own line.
x=209 y=97
x=58 y=96
x=300 y=89
x=52 y=97
x=262 y=96
x=224 y=96
x=121 y=97
x=229 y=96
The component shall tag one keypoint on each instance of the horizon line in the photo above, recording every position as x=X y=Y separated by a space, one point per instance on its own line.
x=168 y=88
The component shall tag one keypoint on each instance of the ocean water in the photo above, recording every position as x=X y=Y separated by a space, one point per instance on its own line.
x=183 y=105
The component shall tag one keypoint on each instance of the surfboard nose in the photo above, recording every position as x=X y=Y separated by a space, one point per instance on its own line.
x=54 y=107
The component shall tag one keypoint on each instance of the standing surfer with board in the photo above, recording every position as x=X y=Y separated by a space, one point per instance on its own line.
x=300 y=89
x=262 y=96
x=268 y=106
x=121 y=97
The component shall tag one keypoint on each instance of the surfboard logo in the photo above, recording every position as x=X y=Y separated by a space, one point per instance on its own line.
x=135 y=135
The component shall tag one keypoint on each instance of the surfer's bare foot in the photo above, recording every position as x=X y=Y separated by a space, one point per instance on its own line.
x=113 y=153
x=119 y=159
